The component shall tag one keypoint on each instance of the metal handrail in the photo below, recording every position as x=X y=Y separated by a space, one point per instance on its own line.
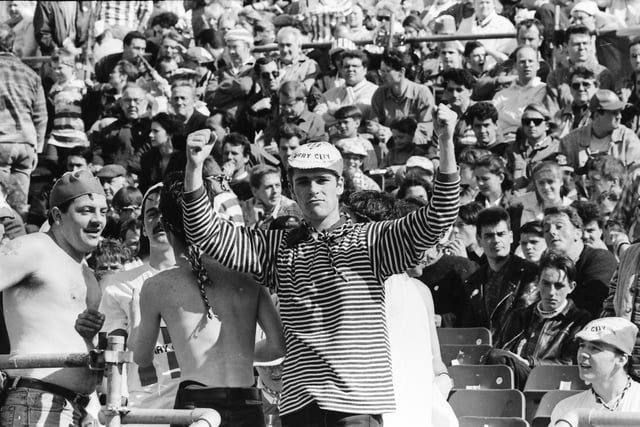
x=592 y=417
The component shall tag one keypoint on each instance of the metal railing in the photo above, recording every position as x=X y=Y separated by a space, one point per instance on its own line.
x=113 y=361
x=592 y=417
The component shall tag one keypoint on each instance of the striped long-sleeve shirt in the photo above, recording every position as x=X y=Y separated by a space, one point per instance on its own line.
x=330 y=286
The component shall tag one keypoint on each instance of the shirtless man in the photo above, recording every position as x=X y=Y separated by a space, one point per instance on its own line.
x=211 y=317
x=48 y=292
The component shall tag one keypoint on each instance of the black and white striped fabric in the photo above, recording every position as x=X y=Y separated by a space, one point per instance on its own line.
x=330 y=287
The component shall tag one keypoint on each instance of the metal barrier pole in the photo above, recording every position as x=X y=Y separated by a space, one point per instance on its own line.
x=71 y=360
x=115 y=348
x=592 y=417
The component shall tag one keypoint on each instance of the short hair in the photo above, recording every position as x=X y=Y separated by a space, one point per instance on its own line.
x=348 y=111
x=532 y=227
x=165 y=20
x=293 y=89
x=529 y=23
x=471 y=155
x=634 y=41
x=133 y=85
x=589 y=212
x=413 y=21
x=80 y=151
x=7 y=38
x=131 y=36
x=184 y=83
x=459 y=76
x=109 y=250
x=261 y=62
x=525 y=47
x=408 y=183
x=235 y=138
x=371 y=205
x=492 y=216
x=406 y=125
x=556 y=260
x=173 y=35
x=128 y=195
x=470 y=46
x=258 y=172
x=494 y=163
x=397 y=60
x=607 y=166
x=228 y=119
x=584 y=72
x=540 y=109
x=482 y=111
x=290 y=130
x=577 y=30
x=468 y=213
x=169 y=122
x=569 y=211
x=358 y=54
x=289 y=30
x=128 y=69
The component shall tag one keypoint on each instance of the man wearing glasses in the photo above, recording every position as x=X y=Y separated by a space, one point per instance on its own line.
x=605 y=134
x=583 y=85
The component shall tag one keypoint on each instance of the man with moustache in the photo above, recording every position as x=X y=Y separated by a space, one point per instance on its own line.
x=49 y=290
x=152 y=386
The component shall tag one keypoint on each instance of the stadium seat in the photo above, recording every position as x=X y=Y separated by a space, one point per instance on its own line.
x=487 y=403
x=549 y=401
x=481 y=377
x=492 y=422
x=550 y=377
x=464 y=336
x=470 y=355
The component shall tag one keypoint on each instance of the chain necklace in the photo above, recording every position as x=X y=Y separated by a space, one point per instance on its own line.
x=618 y=400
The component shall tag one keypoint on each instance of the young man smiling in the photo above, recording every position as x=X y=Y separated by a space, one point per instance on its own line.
x=337 y=369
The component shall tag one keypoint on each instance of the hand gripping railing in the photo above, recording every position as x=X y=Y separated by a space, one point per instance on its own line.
x=113 y=360
x=592 y=417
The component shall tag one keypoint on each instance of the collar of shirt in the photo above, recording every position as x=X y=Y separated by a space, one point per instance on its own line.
x=486 y=21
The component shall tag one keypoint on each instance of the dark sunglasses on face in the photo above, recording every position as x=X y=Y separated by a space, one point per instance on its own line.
x=578 y=85
x=268 y=75
x=536 y=121
x=383 y=18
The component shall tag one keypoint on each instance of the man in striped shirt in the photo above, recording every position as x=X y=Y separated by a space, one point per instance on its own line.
x=329 y=276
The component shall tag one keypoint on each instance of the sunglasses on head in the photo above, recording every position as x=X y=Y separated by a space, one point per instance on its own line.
x=536 y=121
x=578 y=85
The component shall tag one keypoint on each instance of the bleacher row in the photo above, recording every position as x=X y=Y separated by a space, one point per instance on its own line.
x=484 y=395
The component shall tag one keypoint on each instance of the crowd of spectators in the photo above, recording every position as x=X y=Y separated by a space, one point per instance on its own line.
x=546 y=140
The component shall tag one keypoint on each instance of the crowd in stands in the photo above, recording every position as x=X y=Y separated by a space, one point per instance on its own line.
x=540 y=243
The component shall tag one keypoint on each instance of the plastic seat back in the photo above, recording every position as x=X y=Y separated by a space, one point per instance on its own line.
x=550 y=377
x=492 y=422
x=487 y=403
x=461 y=354
x=481 y=377
x=549 y=401
x=466 y=336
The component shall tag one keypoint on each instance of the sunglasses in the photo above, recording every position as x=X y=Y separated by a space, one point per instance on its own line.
x=527 y=120
x=383 y=18
x=578 y=85
x=267 y=75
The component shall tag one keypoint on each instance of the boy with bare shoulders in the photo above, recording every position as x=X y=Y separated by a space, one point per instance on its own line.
x=211 y=317
x=48 y=292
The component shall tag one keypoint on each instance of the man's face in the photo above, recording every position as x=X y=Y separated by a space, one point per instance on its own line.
x=582 y=90
x=289 y=48
x=579 y=48
x=75 y=163
x=634 y=56
x=134 y=103
x=560 y=234
x=465 y=232
x=183 y=101
x=170 y=47
x=62 y=71
x=13 y=9
x=235 y=153
x=356 y=18
x=153 y=228
x=317 y=192
x=485 y=131
x=390 y=77
x=353 y=71
x=597 y=184
x=135 y=50
x=554 y=286
x=532 y=246
x=450 y=57
x=84 y=221
x=167 y=68
x=401 y=140
x=477 y=59
x=529 y=37
x=352 y=162
x=457 y=96
x=527 y=64
x=597 y=361
x=112 y=185
x=583 y=18
x=496 y=240
x=483 y=8
x=534 y=125
x=347 y=127
x=285 y=148
x=606 y=121
x=239 y=51
x=291 y=108
x=592 y=234
x=270 y=190
x=269 y=77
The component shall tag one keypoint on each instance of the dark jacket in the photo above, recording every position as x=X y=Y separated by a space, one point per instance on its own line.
x=520 y=292
x=594 y=270
x=123 y=142
x=548 y=341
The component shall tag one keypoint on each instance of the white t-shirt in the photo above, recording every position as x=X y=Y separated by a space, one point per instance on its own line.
x=159 y=385
x=587 y=400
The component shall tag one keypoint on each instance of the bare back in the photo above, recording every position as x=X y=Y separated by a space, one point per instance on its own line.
x=41 y=307
x=217 y=352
